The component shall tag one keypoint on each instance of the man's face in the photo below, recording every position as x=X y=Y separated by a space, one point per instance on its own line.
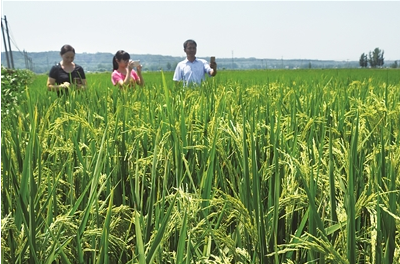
x=190 y=49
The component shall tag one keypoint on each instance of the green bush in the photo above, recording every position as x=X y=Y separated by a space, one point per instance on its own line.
x=13 y=84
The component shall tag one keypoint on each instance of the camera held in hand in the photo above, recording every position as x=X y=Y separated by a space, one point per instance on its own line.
x=136 y=63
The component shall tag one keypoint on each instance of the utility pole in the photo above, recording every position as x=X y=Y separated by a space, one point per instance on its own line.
x=232 y=59
x=9 y=43
x=26 y=59
x=30 y=64
x=5 y=44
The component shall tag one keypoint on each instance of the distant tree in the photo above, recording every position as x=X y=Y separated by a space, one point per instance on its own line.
x=363 y=60
x=376 y=58
x=101 y=67
x=169 y=66
x=309 y=65
x=394 y=65
x=381 y=59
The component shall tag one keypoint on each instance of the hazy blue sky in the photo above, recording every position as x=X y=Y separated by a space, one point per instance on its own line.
x=337 y=30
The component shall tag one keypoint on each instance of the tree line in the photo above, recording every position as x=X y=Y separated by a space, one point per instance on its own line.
x=102 y=62
x=374 y=59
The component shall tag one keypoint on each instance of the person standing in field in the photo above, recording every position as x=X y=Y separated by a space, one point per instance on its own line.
x=66 y=73
x=123 y=73
x=193 y=70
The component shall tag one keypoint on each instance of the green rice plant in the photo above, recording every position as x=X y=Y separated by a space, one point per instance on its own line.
x=271 y=166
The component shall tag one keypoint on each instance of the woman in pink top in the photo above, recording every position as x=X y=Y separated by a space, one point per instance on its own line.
x=122 y=65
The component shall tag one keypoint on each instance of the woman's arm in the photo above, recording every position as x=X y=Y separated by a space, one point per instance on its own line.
x=128 y=76
x=81 y=81
x=82 y=84
x=140 y=81
x=52 y=86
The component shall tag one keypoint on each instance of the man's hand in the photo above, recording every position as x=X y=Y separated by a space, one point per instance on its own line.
x=213 y=66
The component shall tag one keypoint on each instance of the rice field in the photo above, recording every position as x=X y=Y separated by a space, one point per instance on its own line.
x=272 y=166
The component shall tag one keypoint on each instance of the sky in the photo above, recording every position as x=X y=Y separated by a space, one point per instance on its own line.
x=321 y=30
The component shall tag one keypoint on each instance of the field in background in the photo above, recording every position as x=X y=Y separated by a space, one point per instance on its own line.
x=271 y=166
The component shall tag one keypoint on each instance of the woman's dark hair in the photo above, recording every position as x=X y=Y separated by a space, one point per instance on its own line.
x=120 y=55
x=66 y=48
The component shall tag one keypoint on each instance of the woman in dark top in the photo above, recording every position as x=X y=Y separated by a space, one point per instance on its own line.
x=66 y=73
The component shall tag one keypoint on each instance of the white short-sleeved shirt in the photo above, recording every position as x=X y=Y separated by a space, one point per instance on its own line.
x=192 y=72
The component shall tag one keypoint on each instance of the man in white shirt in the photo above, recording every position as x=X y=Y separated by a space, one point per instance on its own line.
x=193 y=70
